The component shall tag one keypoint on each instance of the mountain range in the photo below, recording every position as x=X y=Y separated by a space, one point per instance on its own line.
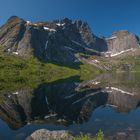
x=62 y=40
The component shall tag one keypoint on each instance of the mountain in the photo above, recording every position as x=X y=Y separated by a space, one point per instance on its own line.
x=57 y=40
x=61 y=40
x=120 y=42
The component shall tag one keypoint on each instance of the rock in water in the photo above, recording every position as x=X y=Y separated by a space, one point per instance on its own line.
x=44 y=134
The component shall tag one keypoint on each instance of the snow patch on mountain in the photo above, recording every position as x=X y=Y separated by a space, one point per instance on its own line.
x=60 y=24
x=46 y=45
x=49 y=29
x=110 y=54
x=110 y=38
x=69 y=48
x=77 y=43
x=28 y=22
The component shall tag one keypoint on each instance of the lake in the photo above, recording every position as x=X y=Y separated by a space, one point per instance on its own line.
x=109 y=102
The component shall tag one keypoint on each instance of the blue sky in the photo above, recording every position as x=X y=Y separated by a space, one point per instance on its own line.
x=103 y=16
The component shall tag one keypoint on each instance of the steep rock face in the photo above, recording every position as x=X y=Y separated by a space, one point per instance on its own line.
x=58 y=40
x=61 y=40
x=120 y=42
x=11 y=33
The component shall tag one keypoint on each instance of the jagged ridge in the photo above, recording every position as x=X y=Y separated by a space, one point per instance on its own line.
x=61 y=40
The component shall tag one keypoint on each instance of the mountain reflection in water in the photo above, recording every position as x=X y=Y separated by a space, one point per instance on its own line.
x=71 y=104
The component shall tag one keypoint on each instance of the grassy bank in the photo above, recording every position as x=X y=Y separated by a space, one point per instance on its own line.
x=121 y=63
x=99 y=136
x=16 y=71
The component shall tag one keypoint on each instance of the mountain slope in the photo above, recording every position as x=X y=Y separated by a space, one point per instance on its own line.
x=57 y=40
x=61 y=40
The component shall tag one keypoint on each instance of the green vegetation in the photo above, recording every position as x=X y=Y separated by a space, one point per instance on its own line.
x=99 y=136
x=16 y=72
x=126 y=63
x=88 y=71
x=122 y=63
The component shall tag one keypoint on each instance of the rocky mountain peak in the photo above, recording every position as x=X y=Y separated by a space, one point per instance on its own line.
x=121 y=42
x=60 y=40
x=121 y=33
x=15 y=19
x=66 y=20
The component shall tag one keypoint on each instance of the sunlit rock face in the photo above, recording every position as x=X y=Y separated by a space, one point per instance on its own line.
x=121 y=42
x=11 y=33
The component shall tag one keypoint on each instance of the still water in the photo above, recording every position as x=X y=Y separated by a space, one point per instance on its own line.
x=109 y=102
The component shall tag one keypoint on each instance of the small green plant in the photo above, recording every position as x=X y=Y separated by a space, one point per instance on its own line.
x=82 y=137
x=99 y=136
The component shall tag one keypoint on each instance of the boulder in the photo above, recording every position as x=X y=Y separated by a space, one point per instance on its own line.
x=44 y=134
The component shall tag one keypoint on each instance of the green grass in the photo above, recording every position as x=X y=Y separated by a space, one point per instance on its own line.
x=117 y=63
x=99 y=136
x=88 y=71
x=16 y=72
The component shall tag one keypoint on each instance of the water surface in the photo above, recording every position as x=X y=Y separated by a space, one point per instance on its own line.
x=109 y=102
